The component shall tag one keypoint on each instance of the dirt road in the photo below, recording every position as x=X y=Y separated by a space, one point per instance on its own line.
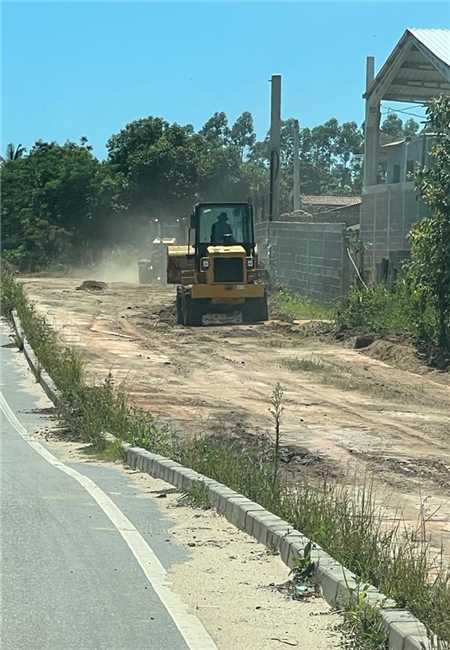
x=345 y=411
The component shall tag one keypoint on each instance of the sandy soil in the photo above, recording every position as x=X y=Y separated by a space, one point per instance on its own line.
x=345 y=410
x=231 y=584
x=230 y=581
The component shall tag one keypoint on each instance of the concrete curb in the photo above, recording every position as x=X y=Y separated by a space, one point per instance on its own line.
x=39 y=372
x=336 y=582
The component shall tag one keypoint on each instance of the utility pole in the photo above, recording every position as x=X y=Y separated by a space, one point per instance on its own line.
x=275 y=123
x=296 y=164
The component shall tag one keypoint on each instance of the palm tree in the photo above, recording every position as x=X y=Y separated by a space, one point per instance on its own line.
x=13 y=153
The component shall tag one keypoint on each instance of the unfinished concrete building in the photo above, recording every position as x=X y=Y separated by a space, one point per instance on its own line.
x=417 y=70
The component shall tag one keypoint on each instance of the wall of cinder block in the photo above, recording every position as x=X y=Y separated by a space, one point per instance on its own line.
x=309 y=258
x=388 y=213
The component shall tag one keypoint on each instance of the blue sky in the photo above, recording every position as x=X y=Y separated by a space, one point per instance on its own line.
x=87 y=68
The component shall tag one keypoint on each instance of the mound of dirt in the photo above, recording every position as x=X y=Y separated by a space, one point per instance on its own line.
x=92 y=285
x=404 y=355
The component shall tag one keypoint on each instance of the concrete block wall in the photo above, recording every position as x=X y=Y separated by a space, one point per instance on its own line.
x=388 y=213
x=309 y=258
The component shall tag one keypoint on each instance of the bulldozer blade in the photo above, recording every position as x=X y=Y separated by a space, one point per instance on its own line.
x=232 y=318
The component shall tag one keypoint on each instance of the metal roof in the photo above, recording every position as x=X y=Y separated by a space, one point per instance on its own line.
x=435 y=40
x=417 y=69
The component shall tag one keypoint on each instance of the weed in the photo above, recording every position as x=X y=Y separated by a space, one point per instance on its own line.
x=276 y=412
x=197 y=496
x=312 y=364
x=303 y=574
x=362 y=628
x=112 y=451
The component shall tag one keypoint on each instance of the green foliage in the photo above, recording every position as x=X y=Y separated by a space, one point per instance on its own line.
x=13 y=152
x=346 y=522
x=393 y=128
x=378 y=310
x=51 y=202
x=244 y=467
x=429 y=269
x=419 y=303
x=197 y=496
x=363 y=627
x=303 y=574
x=242 y=134
x=293 y=306
x=328 y=164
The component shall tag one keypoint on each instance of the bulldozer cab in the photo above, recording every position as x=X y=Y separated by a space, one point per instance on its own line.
x=222 y=224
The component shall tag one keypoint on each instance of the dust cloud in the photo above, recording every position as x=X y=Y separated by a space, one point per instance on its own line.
x=115 y=265
x=115 y=259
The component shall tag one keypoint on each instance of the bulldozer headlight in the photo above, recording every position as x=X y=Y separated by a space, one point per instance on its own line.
x=250 y=262
x=204 y=263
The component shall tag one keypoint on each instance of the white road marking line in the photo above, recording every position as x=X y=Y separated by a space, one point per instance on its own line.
x=192 y=631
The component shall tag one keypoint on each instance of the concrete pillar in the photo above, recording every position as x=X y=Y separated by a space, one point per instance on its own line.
x=404 y=171
x=275 y=136
x=296 y=165
x=371 y=128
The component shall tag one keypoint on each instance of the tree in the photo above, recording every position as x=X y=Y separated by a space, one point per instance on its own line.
x=243 y=134
x=13 y=153
x=347 y=170
x=392 y=128
x=429 y=268
x=216 y=130
x=160 y=164
x=49 y=200
x=410 y=128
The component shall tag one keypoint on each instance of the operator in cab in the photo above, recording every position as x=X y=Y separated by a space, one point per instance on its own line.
x=221 y=231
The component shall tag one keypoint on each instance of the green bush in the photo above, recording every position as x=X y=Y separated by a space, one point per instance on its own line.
x=429 y=268
x=378 y=310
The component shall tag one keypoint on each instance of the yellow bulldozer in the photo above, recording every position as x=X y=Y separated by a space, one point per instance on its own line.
x=216 y=272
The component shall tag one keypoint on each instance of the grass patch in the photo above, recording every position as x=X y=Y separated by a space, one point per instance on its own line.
x=348 y=377
x=112 y=451
x=292 y=306
x=398 y=311
x=362 y=627
x=197 y=496
x=313 y=364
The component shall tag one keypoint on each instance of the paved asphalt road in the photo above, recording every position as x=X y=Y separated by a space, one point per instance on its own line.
x=69 y=577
